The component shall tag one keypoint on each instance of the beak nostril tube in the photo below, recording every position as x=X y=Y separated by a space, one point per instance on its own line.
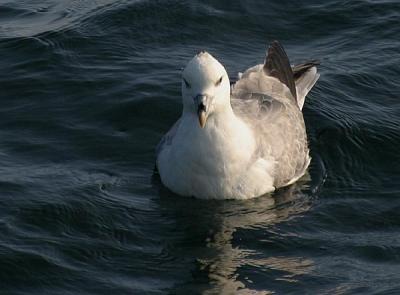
x=202 y=107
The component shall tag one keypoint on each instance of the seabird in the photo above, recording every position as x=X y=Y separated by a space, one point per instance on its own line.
x=240 y=141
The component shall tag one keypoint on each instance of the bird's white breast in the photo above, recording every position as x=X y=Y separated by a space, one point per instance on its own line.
x=216 y=162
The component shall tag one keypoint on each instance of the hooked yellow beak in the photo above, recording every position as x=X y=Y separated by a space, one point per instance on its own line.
x=202 y=117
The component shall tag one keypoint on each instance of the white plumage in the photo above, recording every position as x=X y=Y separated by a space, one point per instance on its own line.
x=238 y=143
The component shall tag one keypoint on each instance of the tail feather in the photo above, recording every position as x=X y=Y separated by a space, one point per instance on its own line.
x=299 y=70
x=305 y=76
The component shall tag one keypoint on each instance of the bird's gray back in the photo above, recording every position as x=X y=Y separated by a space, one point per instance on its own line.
x=267 y=105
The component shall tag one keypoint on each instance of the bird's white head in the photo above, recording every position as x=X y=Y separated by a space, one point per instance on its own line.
x=205 y=87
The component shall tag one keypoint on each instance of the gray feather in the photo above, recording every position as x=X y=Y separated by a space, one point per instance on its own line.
x=274 y=113
x=301 y=69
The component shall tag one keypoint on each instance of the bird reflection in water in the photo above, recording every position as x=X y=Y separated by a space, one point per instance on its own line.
x=227 y=256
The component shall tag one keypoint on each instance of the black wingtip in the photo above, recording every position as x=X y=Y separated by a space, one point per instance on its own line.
x=277 y=65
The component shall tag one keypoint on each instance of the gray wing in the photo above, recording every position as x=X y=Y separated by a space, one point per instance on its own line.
x=265 y=98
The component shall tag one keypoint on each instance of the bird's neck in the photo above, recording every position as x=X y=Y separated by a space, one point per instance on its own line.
x=223 y=130
x=224 y=142
x=223 y=116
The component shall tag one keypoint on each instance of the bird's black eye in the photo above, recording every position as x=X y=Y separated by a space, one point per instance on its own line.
x=186 y=83
x=219 y=81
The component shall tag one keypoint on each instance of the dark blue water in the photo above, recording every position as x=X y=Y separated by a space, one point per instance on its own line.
x=87 y=89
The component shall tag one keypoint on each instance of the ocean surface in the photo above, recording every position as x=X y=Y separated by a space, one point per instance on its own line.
x=88 y=88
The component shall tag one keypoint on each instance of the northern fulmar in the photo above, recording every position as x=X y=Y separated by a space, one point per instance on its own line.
x=240 y=141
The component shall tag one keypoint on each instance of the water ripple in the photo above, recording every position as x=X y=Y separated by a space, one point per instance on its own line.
x=89 y=87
